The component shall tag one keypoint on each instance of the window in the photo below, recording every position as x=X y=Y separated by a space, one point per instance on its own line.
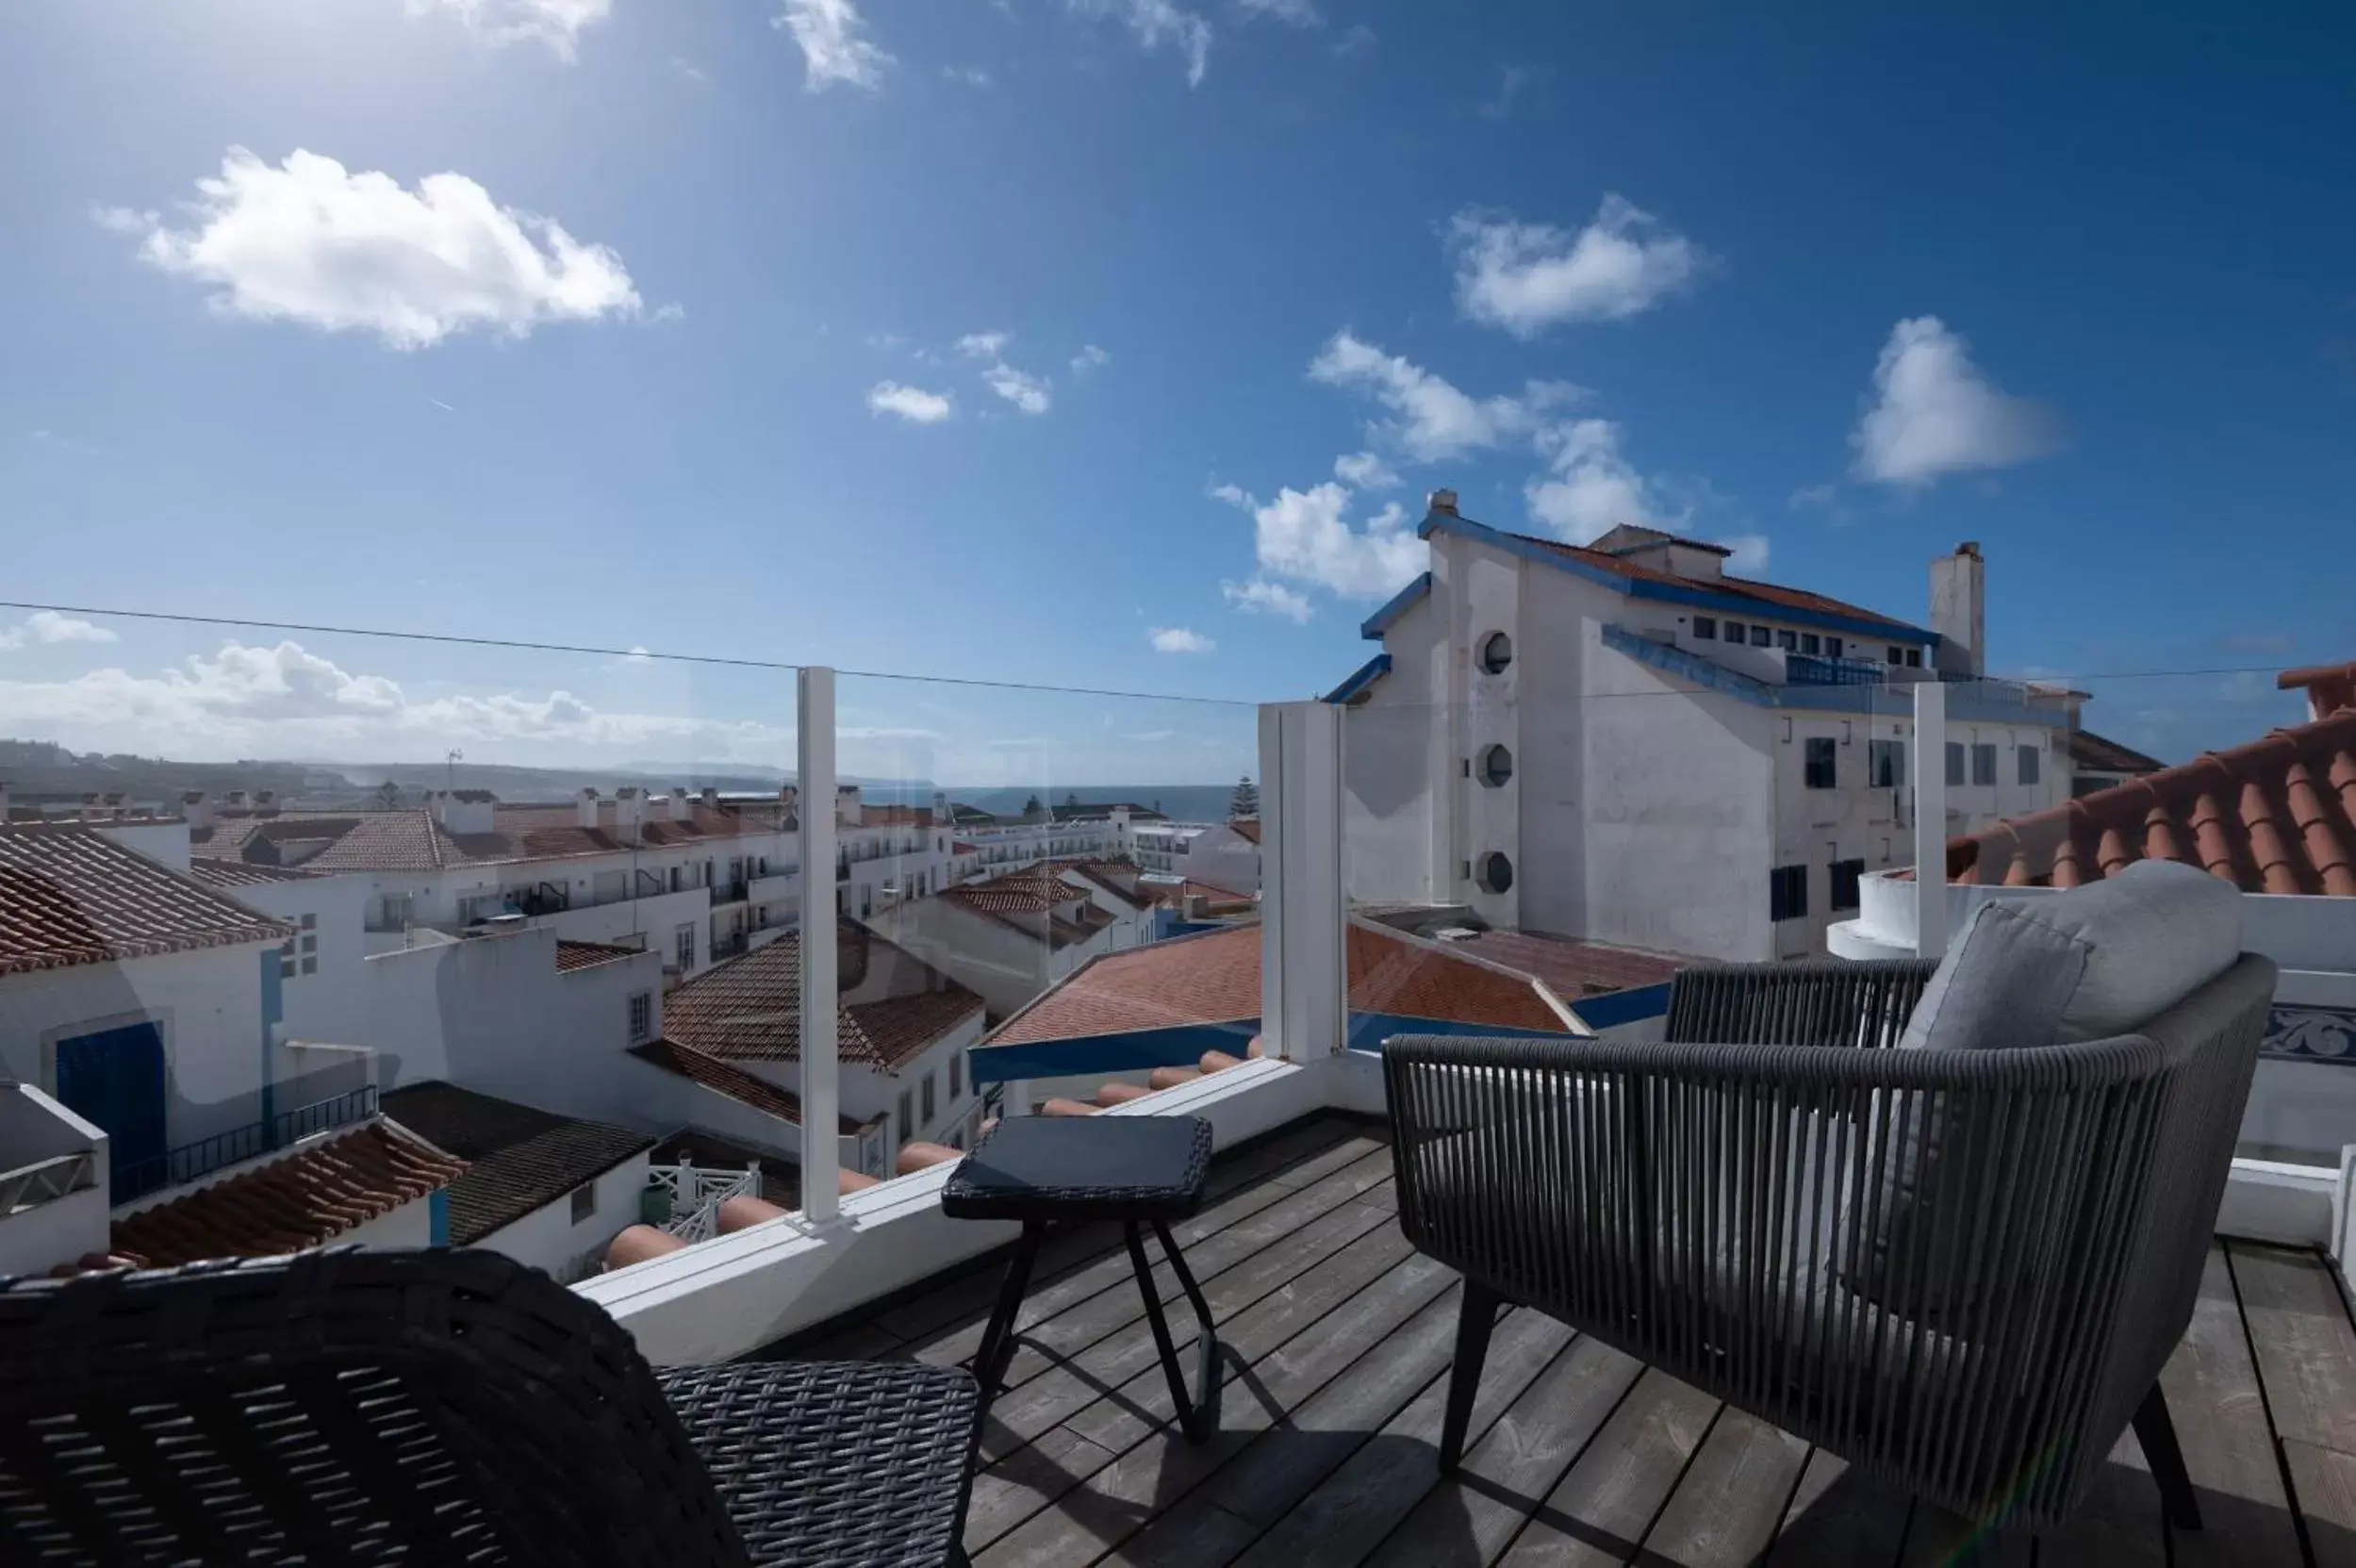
x=1734 y=632
x=1822 y=750
x=1984 y=763
x=1787 y=893
x=1787 y=641
x=1832 y=647
x=1496 y=653
x=641 y=1016
x=1493 y=872
x=1845 y=874
x=907 y=1117
x=929 y=1106
x=1897 y=655
x=286 y=959
x=2028 y=757
x=1705 y=628
x=309 y=922
x=1761 y=636
x=957 y=1075
x=1811 y=643
x=583 y=1201
x=1954 y=761
x=1495 y=766
x=1886 y=764
x=685 y=940
x=1914 y=658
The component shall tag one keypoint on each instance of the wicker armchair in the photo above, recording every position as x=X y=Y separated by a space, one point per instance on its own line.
x=350 y=1406
x=1960 y=1270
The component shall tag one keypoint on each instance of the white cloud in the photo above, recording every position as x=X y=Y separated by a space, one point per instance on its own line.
x=1934 y=413
x=286 y=700
x=1434 y=421
x=972 y=76
x=49 y=626
x=1527 y=277
x=688 y=69
x=308 y=241
x=1363 y=470
x=984 y=345
x=835 y=48
x=1303 y=534
x=1177 y=639
x=1157 y=23
x=1511 y=79
x=912 y=403
x=1589 y=486
x=1356 y=40
x=555 y=23
x=1090 y=357
x=1749 y=554
x=1025 y=392
x=1296 y=13
x=1261 y=596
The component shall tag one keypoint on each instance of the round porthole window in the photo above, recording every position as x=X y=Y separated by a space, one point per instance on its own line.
x=1494 y=767
x=1496 y=653
x=1494 y=872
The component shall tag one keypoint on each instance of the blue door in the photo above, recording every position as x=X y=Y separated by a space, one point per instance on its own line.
x=116 y=1078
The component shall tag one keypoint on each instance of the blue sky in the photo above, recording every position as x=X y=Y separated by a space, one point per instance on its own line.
x=1023 y=341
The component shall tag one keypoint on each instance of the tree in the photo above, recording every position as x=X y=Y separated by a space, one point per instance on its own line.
x=1071 y=799
x=388 y=796
x=1246 y=800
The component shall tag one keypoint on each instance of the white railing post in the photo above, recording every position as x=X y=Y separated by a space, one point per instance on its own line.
x=814 y=746
x=1930 y=819
x=1304 y=1013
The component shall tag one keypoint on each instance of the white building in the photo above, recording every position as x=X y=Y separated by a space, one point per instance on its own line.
x=1622 y=743
x=1224 y=855
x=1010 y=937
x=985 y=845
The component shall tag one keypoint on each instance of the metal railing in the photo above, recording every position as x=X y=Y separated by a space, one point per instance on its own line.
x=730 y=947
x=136 y=1177
x=1816 y=669
x=696 y=1195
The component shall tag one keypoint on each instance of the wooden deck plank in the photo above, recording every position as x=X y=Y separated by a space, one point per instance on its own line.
x=1023 y=1413
x=1725 y=1510
x=1470 y=1517
x=2327 y=1496
x=1604 y=1504
x=1121 y=1497
x=1279 y=1471
x=2118 y=1524
x=2306 y=1346
x=1026 y=1480
x=1941 y=1538
x=2220 y=1419
x=1141 y=1409
x=1840 y=1518
x=1347 y=1516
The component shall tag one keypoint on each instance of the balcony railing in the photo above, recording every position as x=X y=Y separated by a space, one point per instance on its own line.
x=1815 y=670
x=731 y=946
x=136 y=1177
x=45 y=1180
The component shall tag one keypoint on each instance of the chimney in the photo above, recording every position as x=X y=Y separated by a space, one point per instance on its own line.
x=682 y=809
x=2329 y=687
x=196 y=808
x=234 y=797
x=850 y=810
x=1445 y=501
x=464 y=811
x=1959 y=610
x=629 y=815
x=712 y=796
x=587 y=809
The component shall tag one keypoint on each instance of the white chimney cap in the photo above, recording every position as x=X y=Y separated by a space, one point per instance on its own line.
x=1443 y=500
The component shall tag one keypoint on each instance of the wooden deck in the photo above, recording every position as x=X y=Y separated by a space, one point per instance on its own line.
x=1338 y=1338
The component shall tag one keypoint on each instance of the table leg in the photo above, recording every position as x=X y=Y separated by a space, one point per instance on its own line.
x=997 y=1340
x=1197 y=1415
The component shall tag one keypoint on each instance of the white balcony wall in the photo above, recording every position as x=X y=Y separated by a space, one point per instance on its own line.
x=35 y=1127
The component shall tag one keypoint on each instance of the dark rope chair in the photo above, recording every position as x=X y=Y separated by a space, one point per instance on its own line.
x=1959 y=1270
x=432 y=1406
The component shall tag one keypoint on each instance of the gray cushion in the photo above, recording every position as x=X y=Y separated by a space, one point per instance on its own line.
x=2086 y=965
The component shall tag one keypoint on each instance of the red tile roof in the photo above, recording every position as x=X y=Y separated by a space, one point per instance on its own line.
x=1027 y=892
x=2329 y=687
x=1214 y=978
x=725 y=1078
x=1571 y=969
x=237 y=873
x=2276 y=815
x=894 y=816
x=70 y=895
x=1246 y=827
x=2094 y=754
x=519 y=1158
x=1769 y=596
x=412 y=840
x=585 y=955
x=1107 y=875
x=307 y=1198
x=749 y=1008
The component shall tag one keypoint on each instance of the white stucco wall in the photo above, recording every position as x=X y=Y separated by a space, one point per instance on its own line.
x=338 y=909
x=207 y=1005
x=1005 y=967
x=411 y=1224
x=546 y=1238
x=1390 y=836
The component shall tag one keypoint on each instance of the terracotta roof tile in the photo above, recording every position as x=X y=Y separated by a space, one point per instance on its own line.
x=727 y=1079
x=585 y=955
x=2276 y=815
x=238 y=873
x=749 y=1008
x=2098 y=754
x=412 y=840
x=2329 y=687
x=311 y=1197
x=519 y=1157
x=1214 y=978
x=1247 y=828
x=1571 y=968
x=70 y=895
x=1770 y=596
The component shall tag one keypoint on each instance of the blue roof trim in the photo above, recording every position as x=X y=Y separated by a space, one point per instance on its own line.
x=1615 y=1009
x=1374 y=625
x=1964 y=703
x=1181 y=1046
x=1367 y=674
x=1727 y=603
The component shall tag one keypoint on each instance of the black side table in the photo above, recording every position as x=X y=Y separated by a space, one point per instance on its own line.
x=1139 y=1171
